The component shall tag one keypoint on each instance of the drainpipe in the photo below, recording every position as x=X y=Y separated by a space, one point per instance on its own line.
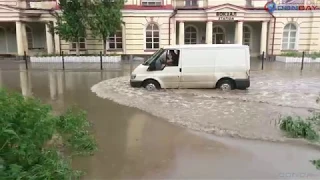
x=274 y=30
x=171 y=16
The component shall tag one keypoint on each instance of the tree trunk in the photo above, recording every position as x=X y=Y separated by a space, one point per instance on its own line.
x=104 y=46
x=78 y=48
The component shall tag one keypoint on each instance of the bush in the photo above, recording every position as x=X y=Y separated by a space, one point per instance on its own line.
x=298 y=128
x=32 y=139
x=312 y=55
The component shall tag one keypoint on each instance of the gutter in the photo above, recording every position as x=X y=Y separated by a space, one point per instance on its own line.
x=175 y=11
x=273 y=33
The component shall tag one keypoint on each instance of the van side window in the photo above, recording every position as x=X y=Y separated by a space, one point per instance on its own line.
x=173 y=57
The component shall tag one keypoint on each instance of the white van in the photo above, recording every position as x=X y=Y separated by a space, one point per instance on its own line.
x=224 y=66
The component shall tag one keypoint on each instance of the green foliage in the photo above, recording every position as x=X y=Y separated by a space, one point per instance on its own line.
x=105 y=18
x=71 y=23
x=32 y=138
x=312 y=55
x=298 y=128
x=316 y=163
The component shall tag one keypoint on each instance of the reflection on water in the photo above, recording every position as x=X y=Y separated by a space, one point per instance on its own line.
x=133 y=144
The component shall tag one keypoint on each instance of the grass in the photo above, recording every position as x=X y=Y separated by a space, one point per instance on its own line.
x=308 y=128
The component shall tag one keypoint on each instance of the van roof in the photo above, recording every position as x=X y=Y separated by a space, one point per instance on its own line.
x=203 y=46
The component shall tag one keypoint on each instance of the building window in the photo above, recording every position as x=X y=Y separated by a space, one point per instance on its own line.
x=152 y=36
x=246 y=35
x=289 y=37
x=82 y=44
x=218 y=35
x=190 y=35
x=29 y=37
x=151 y=2
x=191 y=3
x=115 y=41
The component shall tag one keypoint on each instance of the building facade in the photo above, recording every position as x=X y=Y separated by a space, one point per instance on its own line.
x=152 y=24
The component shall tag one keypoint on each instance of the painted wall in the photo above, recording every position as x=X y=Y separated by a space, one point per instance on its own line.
x=308 y=31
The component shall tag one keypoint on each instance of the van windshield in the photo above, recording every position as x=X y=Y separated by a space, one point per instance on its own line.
x=153 y=57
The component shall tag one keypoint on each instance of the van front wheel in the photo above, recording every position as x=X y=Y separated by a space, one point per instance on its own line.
x=226 y=85
x=151 y=85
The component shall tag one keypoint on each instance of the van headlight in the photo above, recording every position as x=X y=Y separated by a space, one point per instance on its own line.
x=133 y=76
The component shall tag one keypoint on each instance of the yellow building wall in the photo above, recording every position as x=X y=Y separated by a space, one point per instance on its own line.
x=308 y=31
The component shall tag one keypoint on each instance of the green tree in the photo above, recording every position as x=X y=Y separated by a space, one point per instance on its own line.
x=105 y=18
x=71 y=22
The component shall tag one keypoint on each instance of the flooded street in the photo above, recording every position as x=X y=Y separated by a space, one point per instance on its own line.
x=134 y=144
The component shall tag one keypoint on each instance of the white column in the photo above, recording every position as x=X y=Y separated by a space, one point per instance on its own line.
x=235 y=34
x=173 y=32
x=239 y=32
x=49 y=39
x=19 y=37
x=181 y=32
x=24 y=38
x=56 y=40
x=209 y=32
x=263 y=37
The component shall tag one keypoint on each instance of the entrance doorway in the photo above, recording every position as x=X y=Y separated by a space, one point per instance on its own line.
x=218 y=35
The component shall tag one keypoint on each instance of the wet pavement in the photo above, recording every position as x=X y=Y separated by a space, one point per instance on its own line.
x=253 y=113
x=136 y=145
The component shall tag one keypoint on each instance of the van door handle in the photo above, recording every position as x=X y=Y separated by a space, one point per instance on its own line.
x=180 y=69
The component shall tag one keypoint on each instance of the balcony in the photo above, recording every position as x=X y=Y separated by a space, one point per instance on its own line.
x=41 y=4
x=189 y=4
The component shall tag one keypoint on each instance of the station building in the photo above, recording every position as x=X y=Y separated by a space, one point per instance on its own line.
x=152 y=24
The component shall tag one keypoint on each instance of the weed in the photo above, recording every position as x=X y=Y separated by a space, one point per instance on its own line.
x=29 y=133
x=298 y=128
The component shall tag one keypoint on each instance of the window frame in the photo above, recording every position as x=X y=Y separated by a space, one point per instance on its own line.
x=151 y=3
x=115 y=41
x=153 y=37
x=74 y=43
x=250 y=35
x=190 y=35
x=29 y=36
x=289 y=31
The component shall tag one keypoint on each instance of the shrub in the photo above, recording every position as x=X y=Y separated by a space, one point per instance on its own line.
x=298 y=128
x=32 y=139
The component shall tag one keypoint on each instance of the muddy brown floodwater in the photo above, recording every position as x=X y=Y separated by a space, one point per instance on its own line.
x=137 y=145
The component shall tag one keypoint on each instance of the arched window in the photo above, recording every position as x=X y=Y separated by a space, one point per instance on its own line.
x=289 y=37
x=152 y=36
x=190 y=35
x=218 y=35
x=115 y=41
x=29 y=37
x=246 y=35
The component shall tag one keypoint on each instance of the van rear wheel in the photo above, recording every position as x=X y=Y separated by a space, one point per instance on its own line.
x=226 y=85
x=151 y=85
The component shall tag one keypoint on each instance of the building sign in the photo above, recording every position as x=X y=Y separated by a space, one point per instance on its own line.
x=226 y=16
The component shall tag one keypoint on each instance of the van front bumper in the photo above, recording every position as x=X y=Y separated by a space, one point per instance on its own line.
x=242 y=83
x=134 y=83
